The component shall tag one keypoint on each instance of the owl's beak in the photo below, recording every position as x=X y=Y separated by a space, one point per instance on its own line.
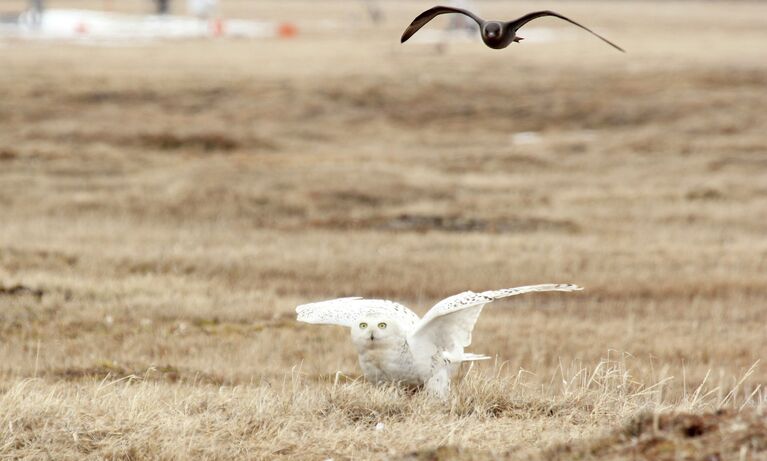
x=371 y=336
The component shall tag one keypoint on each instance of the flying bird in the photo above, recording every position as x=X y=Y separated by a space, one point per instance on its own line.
x=495 y=34
x=396 y=346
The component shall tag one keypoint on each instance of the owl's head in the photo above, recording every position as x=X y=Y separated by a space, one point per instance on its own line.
x=372 y=330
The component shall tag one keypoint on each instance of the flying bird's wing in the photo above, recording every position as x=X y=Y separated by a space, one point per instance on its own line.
x=516 y=24
x=448 y=325
x=430 y=14
x=347 y=311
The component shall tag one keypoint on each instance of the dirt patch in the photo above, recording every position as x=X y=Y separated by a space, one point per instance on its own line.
x=115 y=96
x=704 y=194
x=21 y=290
x=166 y=141
x=7 y=154
x=16 y=259
x=714 y=436
x=208 y=142
x=751 y=163
x=425 y=223
x=725 y=435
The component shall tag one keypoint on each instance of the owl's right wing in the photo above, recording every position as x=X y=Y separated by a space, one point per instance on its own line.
x=347 y=312
x=448 y=325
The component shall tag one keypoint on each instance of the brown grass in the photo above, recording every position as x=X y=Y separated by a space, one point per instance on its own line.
x=164 y=208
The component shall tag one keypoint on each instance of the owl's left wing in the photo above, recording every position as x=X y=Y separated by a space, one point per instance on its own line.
x=347 y=311
x=448 y=325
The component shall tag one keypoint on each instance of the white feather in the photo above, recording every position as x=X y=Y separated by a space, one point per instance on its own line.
x=347 y=311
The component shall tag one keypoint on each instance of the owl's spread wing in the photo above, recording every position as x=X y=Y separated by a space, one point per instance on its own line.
x=347 y=311
x=448 y=325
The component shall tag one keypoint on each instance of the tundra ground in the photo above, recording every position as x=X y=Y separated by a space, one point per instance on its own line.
x=164 y=207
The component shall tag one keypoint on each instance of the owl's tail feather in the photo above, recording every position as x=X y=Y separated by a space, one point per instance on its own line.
x=467 y=357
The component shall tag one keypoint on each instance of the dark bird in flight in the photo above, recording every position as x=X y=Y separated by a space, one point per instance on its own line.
x=495 y=34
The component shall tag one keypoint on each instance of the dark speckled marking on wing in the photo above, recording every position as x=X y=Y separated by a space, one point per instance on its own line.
x=437 y=319
x=347 y=311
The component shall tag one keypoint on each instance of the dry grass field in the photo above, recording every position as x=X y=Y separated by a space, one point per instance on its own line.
x=164 y=207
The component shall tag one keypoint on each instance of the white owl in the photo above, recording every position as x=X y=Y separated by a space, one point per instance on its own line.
x=395 y=345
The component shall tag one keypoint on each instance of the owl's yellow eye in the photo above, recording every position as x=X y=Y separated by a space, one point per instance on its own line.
x=363 y=325
x=382 y=325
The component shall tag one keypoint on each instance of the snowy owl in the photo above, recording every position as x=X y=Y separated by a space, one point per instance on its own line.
x=395 y=345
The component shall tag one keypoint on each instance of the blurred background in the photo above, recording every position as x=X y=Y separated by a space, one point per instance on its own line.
x=175 y=178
